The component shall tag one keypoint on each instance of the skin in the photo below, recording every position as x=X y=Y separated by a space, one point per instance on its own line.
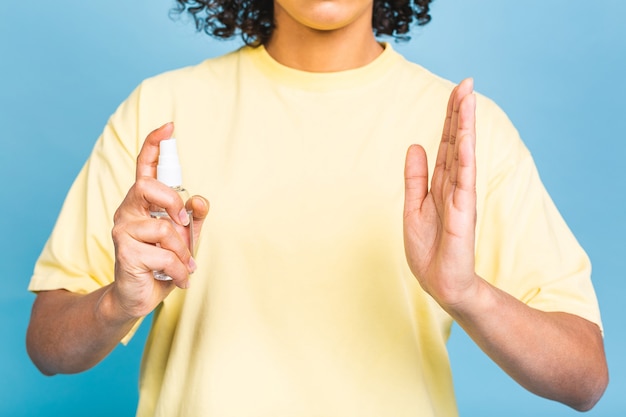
x=555 y=355
x=323 y=35
x=558 y=356
x=86 y=328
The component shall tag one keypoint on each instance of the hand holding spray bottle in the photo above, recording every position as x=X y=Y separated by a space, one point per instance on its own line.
x=169 y=173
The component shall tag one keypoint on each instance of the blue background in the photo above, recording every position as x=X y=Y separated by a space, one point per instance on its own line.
x=557 y=67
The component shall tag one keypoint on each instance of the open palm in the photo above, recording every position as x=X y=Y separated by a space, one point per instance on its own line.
x=440 y=222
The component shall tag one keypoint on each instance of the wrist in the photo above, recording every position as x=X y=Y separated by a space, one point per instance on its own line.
x=110 y=311
x=477 y=299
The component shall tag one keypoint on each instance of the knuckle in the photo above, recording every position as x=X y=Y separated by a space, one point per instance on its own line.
x=141 y=184
x=123 y=256
x=164 y=228
x=173 y=266
x=116 y=232
x=173 y=199
x=169 y=258
x=117 y=217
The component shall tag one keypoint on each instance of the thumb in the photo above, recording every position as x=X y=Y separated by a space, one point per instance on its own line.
x=415 y=179
x=200 y=208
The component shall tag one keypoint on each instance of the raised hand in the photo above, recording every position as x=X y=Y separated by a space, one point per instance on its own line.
x=440 y=222
x=144 y=244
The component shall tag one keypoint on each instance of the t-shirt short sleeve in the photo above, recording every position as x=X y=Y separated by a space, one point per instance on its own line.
x=523 y=244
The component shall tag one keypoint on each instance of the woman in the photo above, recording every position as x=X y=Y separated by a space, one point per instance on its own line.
x=312 y=294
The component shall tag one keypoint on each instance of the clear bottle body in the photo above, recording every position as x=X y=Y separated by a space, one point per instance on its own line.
x=185 y=231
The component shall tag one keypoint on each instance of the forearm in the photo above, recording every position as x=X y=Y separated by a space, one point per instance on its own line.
x=555 y=355
x=70 y=333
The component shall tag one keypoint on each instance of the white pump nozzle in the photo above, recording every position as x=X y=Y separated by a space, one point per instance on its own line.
x=168 y=169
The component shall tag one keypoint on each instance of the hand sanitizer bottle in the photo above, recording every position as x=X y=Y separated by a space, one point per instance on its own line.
x=169 y=173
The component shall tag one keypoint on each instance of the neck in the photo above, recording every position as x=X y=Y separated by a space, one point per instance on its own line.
x=314 y=50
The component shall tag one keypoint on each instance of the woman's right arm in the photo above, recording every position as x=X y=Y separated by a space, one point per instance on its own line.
x=69 y=332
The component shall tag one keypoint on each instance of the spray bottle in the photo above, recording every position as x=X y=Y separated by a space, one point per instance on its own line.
x=169 y=173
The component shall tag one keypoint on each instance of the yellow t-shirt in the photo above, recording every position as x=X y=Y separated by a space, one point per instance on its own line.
x=302 y=304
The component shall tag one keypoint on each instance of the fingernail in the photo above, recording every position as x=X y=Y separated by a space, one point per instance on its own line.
x=192 y=265
x=186 y=285
x=183 y=216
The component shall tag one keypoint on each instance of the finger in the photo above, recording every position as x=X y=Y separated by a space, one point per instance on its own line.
x=167 y=250
x=148 y=157
x=445 y=135
x=452 y=163
x=415 y=179
x=467 y=117
x=158 y=259
x=149 y=196
x=464 y=88
x=465 y=192
x=442 y=152
x=137 y=258
x=199 y=207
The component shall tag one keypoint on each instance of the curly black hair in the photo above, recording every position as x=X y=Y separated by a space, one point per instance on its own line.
x=253 y=19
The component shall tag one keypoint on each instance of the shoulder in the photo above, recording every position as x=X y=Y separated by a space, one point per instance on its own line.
x=212 y=70
x=432 y=86
x=499 y=147
x=428 y=93
x=417 y=77
x=191 y=91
